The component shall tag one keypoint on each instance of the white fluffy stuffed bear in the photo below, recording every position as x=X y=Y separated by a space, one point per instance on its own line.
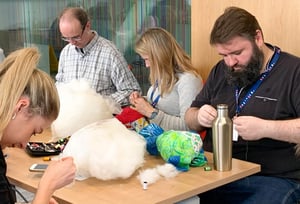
x=106 y=150
x=101 y=146
x=80 y=105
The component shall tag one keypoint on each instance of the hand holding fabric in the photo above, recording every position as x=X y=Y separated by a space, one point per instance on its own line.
x=140 y=104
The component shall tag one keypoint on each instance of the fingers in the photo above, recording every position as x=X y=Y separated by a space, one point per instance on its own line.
x=133 y=96
x=67 y=158
x=206 y=115
x=136 y=94
x=139 y=102
x=59 y=173
x=210 y=111
x=53 y=201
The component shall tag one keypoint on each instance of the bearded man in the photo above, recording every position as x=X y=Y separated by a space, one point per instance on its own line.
x=261 y=86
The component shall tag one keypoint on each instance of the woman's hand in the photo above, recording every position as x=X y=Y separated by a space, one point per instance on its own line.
x=134 y=95
x=140 y=104
x=59 y=174
x=53 y=201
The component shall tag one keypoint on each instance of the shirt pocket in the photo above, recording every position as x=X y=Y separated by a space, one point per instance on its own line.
x=265 y=107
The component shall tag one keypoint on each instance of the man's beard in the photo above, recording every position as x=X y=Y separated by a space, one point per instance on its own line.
x=249 y=73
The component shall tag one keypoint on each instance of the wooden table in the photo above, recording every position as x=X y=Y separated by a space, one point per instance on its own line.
x=92 y=190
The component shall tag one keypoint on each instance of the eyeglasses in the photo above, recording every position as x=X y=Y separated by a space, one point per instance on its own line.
x=75 y=38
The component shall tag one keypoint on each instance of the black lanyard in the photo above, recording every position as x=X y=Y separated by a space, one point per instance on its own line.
x=255 y=86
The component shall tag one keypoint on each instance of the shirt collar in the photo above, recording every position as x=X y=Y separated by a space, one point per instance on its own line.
x=89 y=46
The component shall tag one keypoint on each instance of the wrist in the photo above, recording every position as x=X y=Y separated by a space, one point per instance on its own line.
x=153 y=114
x=42 y=195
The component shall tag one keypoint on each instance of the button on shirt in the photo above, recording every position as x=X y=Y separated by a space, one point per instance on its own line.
x=102 y=65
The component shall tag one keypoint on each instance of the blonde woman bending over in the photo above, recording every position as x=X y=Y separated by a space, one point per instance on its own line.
x=28 y=104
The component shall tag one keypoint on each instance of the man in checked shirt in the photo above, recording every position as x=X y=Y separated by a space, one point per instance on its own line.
x=93 y=58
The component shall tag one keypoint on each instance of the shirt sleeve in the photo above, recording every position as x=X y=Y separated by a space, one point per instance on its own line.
x=123 y=79
x=60 y=76
x=187 y=88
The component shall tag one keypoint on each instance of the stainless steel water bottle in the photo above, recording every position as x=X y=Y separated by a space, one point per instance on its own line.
x=222 y=139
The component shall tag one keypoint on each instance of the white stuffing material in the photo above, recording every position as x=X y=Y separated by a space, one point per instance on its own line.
x=106 y=150
x=80 y=105
x=167 y=170
x=151 y=175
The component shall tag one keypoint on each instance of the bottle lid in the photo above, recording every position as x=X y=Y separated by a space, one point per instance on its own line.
x=222 y=106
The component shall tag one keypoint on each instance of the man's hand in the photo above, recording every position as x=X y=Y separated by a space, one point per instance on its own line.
x=250 y=128
x=206 y=115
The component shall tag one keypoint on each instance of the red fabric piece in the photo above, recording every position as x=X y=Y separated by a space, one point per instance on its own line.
x=202 y=134
x=128 y=115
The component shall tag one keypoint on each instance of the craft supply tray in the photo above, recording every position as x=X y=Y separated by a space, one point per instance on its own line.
x=46 y=149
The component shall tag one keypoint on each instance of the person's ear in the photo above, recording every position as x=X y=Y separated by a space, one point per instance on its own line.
x=259 y=39
x=88 y=26
x=22 y=103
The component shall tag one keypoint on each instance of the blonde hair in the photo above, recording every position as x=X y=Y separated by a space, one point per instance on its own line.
x=19 y=76
x=166 y=57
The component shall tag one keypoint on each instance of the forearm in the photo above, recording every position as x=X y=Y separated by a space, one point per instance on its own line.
x=283 y=130
x=121 y=97
x=124 y=82
x=60 y=75
x=169 y=122
x=191 y=119
x=43 y=195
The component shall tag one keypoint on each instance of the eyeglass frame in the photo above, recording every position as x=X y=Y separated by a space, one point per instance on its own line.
x=75 y=38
